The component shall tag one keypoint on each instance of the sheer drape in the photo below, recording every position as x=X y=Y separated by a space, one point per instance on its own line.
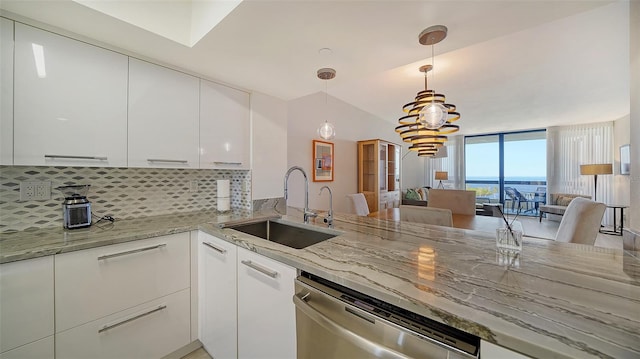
x=452 y=164
x=568 y=147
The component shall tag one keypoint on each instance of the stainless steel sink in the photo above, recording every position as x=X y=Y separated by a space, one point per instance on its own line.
x=290 y=234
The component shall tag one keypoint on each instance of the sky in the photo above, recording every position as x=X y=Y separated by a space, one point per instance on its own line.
x=522 y=159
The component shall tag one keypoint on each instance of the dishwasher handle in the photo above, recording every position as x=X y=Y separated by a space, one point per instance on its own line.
x=300 y=301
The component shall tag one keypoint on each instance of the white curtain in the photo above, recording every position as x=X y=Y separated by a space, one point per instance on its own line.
x=568 y=147
x=452 y=164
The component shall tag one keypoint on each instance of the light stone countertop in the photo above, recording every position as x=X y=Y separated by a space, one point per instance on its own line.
x=555 y=300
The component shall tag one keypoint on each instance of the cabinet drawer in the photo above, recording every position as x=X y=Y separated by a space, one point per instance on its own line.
x=41 y=349
x=26 y=302
x=97 y=282
x=151 y=330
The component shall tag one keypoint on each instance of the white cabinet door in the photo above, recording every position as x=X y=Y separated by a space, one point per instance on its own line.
x=217 y=302
x=163 y=117
x=150 y=330
x=492 y=351
x=41 y=349
x=224 y=127
x=96 y=282
x=26 y=302
x=6 y=92
x=70 y=102
x=266 y=313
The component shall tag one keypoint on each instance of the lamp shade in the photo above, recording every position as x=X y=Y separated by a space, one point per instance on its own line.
x=442 y=176
x=596 y=169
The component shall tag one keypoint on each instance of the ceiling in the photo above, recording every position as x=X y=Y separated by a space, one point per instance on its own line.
x=506 y=65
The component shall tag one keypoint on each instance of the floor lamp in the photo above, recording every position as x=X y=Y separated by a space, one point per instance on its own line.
x=442 y=176
x=595 y=170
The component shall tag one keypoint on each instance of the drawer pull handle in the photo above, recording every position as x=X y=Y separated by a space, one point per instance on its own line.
x=167 y=161
x=97 y=158
x=261 y=269
x=107 y=256
x=215 y=248
x=138 y=316
x=227 y=163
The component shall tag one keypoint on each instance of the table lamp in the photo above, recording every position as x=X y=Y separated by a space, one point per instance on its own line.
x=442 y=176
x=595 y=170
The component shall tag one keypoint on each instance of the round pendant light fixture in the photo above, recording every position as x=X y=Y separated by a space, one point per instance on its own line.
x=428 y=118
x=326 y=131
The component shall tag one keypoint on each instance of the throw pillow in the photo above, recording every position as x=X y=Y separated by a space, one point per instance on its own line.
x=424 y=193
x=412 y=194
x=563 y=200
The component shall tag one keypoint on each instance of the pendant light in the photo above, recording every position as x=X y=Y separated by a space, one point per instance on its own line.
x=326 y=131
x=428 y=119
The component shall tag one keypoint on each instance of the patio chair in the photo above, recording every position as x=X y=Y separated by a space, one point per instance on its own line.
x=518 y=198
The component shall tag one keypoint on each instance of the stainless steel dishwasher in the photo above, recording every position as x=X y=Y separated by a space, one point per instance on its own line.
x=335 y=322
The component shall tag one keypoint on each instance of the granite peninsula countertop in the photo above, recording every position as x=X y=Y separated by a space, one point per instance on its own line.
x=555 y=300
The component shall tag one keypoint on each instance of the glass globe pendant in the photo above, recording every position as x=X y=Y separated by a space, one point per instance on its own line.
x=327 y=131
x=433 y=115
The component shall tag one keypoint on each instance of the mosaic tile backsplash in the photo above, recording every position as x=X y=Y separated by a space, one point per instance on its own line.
x=122 y=193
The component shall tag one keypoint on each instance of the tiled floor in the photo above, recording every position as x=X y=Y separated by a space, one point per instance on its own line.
x=197 y=354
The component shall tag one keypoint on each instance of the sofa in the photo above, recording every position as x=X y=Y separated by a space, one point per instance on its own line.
x=558 y=203
x=416 y=196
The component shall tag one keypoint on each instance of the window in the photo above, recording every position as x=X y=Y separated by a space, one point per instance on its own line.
x=508 y=168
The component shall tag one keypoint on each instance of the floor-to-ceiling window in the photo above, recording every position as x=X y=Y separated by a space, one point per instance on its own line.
x=508 y=168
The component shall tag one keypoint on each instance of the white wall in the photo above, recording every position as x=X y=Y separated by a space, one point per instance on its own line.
x=305 y=115
x=269 y=146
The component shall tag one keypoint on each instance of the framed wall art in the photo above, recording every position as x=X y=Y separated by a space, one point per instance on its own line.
x=625 y=160
x=322 y=161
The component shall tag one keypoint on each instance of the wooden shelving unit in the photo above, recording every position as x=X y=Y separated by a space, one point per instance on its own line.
x=379 y=173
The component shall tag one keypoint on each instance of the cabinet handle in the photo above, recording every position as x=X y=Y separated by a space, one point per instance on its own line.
x=227 y=163
x=97 y=158
x=131 y=251
x=215 y=248
x=125 y=321
x=167 y=161
x=261 y=269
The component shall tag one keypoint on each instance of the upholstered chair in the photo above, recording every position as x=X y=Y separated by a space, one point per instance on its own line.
x=428 y=215
x=581 y=221
x=358 y=204
x=458 y=201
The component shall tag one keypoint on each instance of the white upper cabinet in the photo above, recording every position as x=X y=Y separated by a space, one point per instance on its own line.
x=224 y=127
x=163 y=117
x=70 y=102
x=6 y=92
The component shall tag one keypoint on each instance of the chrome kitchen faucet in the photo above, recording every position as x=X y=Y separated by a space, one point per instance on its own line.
x=307 y=212
x=329 y=218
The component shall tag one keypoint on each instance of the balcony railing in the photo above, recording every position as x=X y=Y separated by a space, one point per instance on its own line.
x=526 y=197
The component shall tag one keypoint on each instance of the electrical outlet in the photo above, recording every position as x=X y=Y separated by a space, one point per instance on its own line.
x=35 y=191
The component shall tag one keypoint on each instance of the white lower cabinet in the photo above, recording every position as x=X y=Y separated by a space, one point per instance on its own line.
x=217 y=298
x=40 y=349
x=127 y=300
x=97 y=282
x=245 y=306
x=266 y=313
x=492 y=351
x=26 y=307
x=150 y=330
